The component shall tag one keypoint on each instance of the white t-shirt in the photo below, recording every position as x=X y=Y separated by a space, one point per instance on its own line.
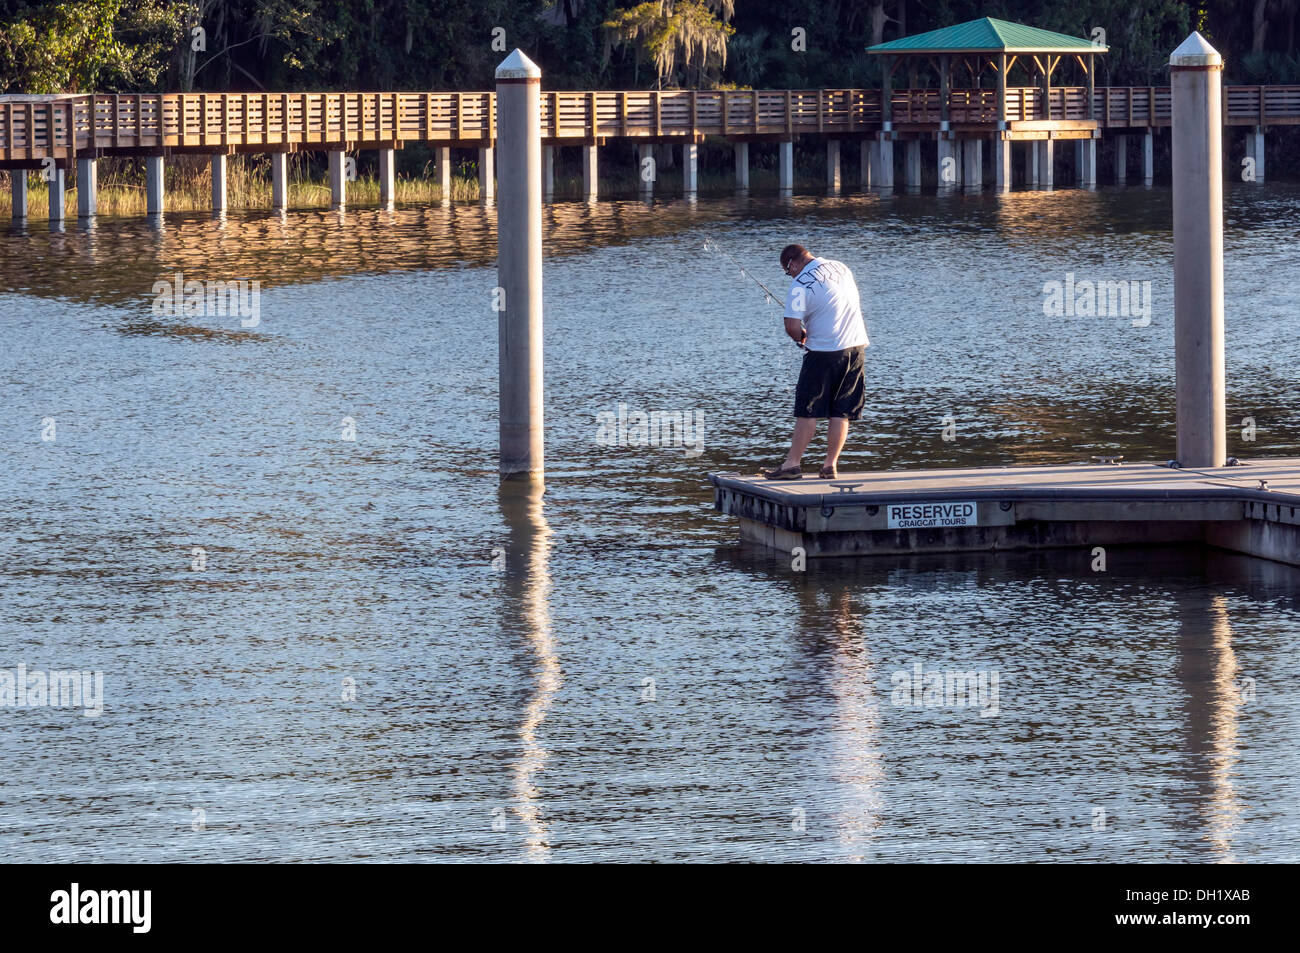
x=825 y=298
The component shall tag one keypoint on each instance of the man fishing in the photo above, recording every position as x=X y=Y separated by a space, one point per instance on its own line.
x=823 y=313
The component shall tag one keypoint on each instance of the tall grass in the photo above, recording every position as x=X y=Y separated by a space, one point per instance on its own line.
x=188 y=186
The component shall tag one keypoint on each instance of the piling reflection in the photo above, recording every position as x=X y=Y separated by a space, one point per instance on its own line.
x=1208 y=671
x=832 y=602
x=526 y=609
x=832 y=615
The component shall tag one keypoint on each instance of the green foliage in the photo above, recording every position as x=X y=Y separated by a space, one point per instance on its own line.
x=1269 y=66
x=85 y=45
x=130 y=45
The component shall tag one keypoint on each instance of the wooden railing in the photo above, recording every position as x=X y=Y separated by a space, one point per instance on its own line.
x=36 y=128
x=1132 y=106
x=1262 y=105
x=30 y=131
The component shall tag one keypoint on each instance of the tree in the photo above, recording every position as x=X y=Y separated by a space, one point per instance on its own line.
x=87 y=45
x=673 y=32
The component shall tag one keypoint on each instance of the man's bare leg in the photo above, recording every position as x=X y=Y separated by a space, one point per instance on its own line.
x=805 y=428
x=837 y=431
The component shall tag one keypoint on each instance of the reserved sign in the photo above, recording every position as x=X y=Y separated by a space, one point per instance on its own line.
x=929 y=515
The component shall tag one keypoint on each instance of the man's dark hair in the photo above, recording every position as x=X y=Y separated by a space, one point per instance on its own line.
x=790 y=252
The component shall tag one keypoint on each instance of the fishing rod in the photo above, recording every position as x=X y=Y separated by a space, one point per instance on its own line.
x=711 y=244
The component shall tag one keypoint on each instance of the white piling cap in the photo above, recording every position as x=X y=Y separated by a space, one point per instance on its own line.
x=518 y=66
x=1195 y=51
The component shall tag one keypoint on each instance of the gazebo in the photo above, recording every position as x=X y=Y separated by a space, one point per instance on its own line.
x=961 y=118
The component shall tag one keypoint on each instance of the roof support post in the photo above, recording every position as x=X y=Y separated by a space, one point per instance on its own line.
x=886 y=97
x=945 y=85
x=1090 y=64
x=1002 y=91
x=1046 y=112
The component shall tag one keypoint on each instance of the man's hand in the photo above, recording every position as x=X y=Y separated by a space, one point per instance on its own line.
x=794 y=327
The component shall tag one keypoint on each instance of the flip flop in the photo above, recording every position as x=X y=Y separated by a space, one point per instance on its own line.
x=826 y=473
x=791 y=473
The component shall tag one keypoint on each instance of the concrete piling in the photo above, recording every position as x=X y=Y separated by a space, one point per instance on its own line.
x=1255 y=151
x=519 y=268
x=590 y=172
x=646 y=168
x=487 y=177
x=1149 y=158
x=1121 y=159
x=1002 y=164
x=1195 y=78
x=153 y=181
x=912 y=164
x=58 y=194
x=690 y=168
x=444 y=172
x=785 y=163
x=1087 y=163
x=1046 y=155
x=387 y=176
x=885 y=165
x=833 y=166
x=219 y=182
x=279 y=180
x=972 y=175
x=87 y=188
x=548 y=173
x=741 y=150
x=947 y=163
x=338 y=180
x=19 y=196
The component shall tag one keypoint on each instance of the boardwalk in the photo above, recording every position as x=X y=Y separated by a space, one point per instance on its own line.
x=56 y=133
x=62 y=127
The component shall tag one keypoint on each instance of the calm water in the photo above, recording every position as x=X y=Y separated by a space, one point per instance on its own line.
x=603 y=673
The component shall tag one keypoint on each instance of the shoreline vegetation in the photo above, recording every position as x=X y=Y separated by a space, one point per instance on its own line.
x=122 y=190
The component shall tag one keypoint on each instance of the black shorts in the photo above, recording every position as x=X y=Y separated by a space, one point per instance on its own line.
x=831 y=385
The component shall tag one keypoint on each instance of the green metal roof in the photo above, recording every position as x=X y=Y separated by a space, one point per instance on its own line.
x=987 y=35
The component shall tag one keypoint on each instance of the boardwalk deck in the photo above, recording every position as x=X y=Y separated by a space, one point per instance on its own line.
x=33 y=128
x=1253 y=508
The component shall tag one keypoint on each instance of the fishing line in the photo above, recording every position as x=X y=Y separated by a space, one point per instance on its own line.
x=711 y=244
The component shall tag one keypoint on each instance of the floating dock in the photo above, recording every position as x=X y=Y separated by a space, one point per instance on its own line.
x=1252 y=507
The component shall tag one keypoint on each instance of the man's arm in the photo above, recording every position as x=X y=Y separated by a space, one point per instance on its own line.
x=794 y=327
x=796 y=308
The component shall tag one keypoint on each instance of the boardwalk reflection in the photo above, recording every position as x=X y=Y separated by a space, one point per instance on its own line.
x=527 y=590
x=109 y=260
